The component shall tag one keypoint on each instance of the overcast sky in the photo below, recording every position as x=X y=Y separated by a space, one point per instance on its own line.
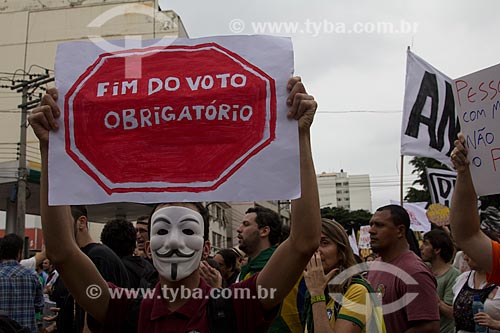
x=350 y=70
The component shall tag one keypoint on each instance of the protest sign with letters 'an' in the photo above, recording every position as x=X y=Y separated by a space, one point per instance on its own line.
x=429 y=125
x=477 y=97
x=174 y=120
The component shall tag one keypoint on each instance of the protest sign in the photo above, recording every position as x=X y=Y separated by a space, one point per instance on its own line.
x=174 y=120
x=477 y=97
x=429 y=125
x=438 y=214
x=441 y=185
x=364 y=237
x=418 y=217
x=353 y=243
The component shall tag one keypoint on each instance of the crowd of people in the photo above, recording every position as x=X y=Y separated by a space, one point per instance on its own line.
x=302 y=279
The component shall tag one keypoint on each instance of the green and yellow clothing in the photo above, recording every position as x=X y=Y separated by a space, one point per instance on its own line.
x=256 y=264
x=354 y=308
x=289 y=318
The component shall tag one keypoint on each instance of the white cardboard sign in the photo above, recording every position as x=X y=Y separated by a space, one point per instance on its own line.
x=174 y=120
x=477 y=97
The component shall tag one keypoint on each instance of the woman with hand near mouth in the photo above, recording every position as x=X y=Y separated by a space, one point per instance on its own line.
x=354 y=310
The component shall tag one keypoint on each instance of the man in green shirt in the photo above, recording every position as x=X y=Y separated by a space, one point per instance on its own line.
x=437 y=249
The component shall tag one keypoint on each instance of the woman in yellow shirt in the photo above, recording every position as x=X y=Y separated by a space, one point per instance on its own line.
x=349 y=306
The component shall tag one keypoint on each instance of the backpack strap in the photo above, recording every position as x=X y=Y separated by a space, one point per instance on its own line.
x=220 y=314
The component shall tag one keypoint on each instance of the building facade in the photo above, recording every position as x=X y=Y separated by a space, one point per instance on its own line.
x=338 y=189
x=32 y=30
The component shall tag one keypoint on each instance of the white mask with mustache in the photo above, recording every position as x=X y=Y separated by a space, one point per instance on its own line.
x=176 y=241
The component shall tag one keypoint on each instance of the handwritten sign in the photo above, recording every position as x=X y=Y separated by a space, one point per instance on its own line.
x=417 y=213
x=364 y=237
x=438 y=214
x=175 y=120
x=477 y=98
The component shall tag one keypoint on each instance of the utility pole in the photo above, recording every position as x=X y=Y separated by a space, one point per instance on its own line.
x=27 y=88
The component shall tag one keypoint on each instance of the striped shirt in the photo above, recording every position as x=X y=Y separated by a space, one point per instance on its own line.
x=20 y=293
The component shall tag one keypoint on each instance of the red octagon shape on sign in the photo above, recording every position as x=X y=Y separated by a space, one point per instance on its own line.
x=194 y=118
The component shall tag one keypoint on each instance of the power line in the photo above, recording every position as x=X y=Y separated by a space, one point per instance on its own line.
x=28 y=86
x=33 y=150
x=40 y=67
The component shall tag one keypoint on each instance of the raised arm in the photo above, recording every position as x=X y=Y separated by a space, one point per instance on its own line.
x=287 y=263
x=40 y=257
x=464 y=217
x=34 y=261
x=74 y=267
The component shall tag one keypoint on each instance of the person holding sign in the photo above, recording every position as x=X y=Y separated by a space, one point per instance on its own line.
x=179 y=301
x=464 y=217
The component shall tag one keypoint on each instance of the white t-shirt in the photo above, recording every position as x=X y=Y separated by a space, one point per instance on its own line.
x=29 y=263
x=492 y=303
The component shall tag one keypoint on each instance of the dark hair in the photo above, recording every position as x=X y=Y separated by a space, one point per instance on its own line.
x=268 y=218
x=413 y=242
x=77 y=211
x=120 y=236
x=399 y=215
x=285 y=232
x=213 y=263
x=10 y=246
x=199 y=206
x=337 y=234
x=229 y=257
x=440 y=239
x=143 y=220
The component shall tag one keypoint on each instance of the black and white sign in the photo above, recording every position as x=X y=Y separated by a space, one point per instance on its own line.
x=429 y=125
x=441 y=185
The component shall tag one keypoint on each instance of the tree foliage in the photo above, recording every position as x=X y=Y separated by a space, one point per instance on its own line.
x=348 y=219
x=420 y=164
x=420 y=195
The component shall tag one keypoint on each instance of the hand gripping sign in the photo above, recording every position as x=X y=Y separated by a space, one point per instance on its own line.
x=206 y=120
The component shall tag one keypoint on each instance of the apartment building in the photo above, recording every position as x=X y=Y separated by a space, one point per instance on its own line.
x=338 y=189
